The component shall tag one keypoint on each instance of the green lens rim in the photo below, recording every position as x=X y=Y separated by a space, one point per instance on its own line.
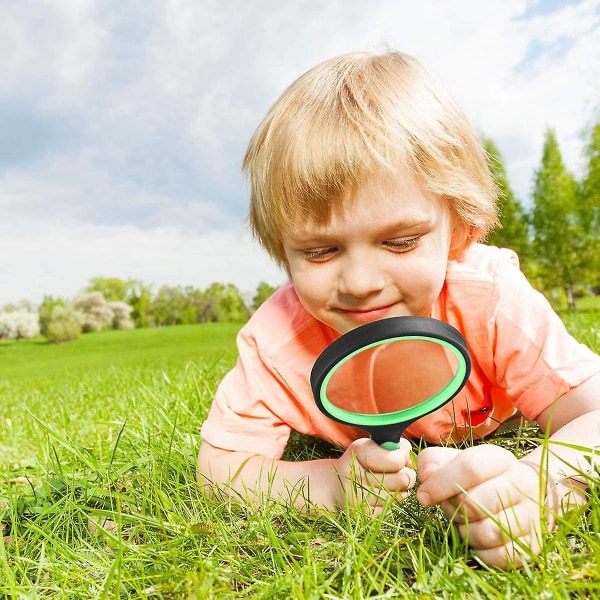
x=406 y=414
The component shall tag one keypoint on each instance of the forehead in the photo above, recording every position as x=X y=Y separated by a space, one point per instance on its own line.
x=381 y=201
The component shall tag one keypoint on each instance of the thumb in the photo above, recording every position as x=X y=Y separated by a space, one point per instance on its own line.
x=372 y=457
x=405 y=451
x=432 y=459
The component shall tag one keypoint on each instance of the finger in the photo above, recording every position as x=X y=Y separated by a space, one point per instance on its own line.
x=469 y=468
x=489 y=498
x=518 y=522
x=373 y=457
x=431 y=459
x=400 y=481
x=511 y=555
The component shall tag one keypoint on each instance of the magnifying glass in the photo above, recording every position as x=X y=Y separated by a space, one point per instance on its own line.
x=383 y=376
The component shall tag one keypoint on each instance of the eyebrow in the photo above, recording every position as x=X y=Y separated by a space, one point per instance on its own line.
x=395 y=228
x=427 y=220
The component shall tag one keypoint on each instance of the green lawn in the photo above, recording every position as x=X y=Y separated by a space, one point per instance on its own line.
x=588 y=303
x=585 y=304
x=143 y=347
x=107 y=428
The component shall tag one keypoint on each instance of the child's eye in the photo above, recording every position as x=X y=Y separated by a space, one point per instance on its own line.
x=318 y=254
x=403 y=245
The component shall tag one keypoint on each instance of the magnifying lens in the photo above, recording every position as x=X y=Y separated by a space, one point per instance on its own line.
x=383 y=376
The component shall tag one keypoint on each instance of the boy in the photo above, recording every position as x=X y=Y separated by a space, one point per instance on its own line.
x=372 y=190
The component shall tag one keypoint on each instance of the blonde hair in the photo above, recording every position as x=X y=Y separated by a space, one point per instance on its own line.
x=358 y=115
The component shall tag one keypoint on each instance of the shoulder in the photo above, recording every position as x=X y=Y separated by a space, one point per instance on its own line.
x=476 y=283
x=482 y=264
x=282 y=320
x=483 y=288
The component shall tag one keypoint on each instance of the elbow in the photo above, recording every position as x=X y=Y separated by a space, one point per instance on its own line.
x=219 y=469
x=205 y=474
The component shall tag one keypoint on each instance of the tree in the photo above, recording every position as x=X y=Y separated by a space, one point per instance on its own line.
x=179 y=306
x=169 y=306
x=559 y=237
x=224 y=303
x=233 y=305
x=263 y=291
x=514 y=232
x=589 y=202
x=45 y=312
x=112 y=288
x=64 y=324
x=139 y=297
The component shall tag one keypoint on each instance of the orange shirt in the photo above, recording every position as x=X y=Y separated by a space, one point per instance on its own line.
x=522 y=360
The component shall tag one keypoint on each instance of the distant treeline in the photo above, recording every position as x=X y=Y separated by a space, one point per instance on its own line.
x=113 y=303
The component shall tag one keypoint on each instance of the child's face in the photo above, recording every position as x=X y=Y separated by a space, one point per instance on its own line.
x=385 y=256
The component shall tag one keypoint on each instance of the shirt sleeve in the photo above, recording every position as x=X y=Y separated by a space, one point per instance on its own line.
x=536 y=360
x=240 y=418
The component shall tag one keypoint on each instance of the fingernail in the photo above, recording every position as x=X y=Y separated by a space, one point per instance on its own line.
x=424 y=498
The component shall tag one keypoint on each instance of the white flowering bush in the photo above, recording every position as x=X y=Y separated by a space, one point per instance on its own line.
x=94 y=312
x=122 y=315
x=20 y=323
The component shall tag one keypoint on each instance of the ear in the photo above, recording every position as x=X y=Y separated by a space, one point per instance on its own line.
x=461 y=238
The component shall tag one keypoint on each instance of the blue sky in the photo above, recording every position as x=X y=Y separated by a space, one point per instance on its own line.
x=124 y=122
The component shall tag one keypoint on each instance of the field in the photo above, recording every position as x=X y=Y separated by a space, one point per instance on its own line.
x=98 y=440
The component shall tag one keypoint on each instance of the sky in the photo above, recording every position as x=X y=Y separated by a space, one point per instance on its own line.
x=124 y=122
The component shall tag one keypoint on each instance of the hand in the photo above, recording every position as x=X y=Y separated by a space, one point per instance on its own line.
x=494 y=499
x=369 y=471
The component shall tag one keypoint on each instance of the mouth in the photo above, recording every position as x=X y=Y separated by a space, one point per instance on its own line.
x=366 y=315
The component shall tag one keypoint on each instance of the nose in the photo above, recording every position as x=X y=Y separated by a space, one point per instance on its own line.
x=359 y=276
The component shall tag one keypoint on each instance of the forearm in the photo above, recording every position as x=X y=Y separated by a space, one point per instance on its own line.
x=254 y=478
x=365 y=471
x=566 y=460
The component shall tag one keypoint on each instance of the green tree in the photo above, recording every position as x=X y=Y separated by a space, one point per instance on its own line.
x=195 y=301
x=64 y=324
x=559 y=237
x=112 y=288
x=589 y=202
x=263 y=291
x=179 y=306
x=223 y=302
x=514 y=232
x=169 y=305
x=45 y=312
x=139 y=297
x=234 y=307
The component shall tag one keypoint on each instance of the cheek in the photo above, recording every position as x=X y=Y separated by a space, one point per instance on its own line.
x=423 y=279
x=310 y=287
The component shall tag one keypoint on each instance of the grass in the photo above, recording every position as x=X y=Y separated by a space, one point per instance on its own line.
x=152 y=348
x=105 y=430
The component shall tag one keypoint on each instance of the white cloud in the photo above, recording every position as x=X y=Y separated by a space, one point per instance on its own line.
x=60 y=260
